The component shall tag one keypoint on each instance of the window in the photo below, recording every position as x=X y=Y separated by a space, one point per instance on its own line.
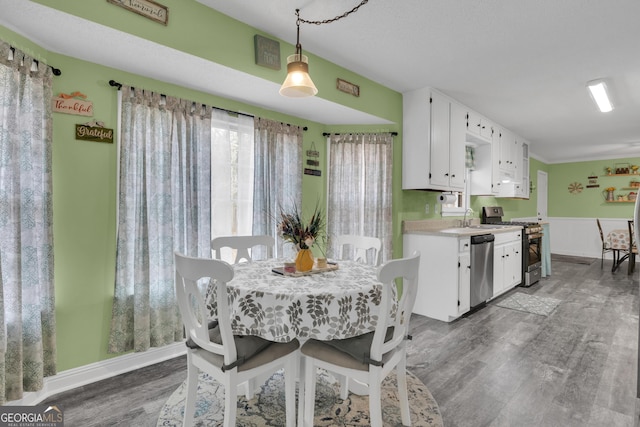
x=232 y=187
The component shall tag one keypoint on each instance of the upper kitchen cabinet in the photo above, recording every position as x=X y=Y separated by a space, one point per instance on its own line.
x=433 y=152
x=479 y=129
x=515 y=180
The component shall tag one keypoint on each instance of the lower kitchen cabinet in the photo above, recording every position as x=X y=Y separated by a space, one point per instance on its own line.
x=507 y=262
x=445 y=265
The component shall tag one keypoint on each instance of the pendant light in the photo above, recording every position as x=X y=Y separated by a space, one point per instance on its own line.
x=298 y=83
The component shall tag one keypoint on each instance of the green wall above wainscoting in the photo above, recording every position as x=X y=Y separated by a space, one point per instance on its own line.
x=590 y=202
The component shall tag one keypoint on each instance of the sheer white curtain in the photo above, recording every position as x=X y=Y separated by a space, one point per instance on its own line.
x=27 y=309
x=359 y=199
x=164 y=205
x=277 y=177
x=232 y=157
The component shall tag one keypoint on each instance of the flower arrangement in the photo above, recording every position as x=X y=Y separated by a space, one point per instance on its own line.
x=610 y=189
x=303 y=234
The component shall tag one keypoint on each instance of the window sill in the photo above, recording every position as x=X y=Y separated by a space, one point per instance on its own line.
x=449 y=211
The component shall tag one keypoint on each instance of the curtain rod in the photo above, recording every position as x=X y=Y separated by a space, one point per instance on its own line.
x=119 y=86
x=54 y=70
x=337 y=133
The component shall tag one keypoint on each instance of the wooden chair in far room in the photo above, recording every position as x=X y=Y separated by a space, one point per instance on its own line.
x=212 y=347
x=369 y=358
x=605 y=245
x=362 y=245
x=241 y=245
x=633 y=248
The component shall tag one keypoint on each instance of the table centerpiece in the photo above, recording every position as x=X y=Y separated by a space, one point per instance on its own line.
x=303 y=234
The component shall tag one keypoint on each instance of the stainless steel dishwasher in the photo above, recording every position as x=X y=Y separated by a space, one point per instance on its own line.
x=481 y=269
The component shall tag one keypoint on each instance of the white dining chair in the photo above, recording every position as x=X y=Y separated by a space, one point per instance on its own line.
x=242 y=245
x=361 y=245
x=212 y=347
x=369 y=358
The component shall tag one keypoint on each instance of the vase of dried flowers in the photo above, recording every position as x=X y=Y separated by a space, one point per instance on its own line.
x=303 y=234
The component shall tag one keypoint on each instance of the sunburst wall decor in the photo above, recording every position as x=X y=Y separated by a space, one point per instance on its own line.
x=575 y=188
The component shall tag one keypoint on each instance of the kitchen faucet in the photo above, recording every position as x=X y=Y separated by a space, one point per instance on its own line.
x=464 y=220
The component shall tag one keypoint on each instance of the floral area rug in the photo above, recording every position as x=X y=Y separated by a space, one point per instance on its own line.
x=530 y=303
x=267 y=407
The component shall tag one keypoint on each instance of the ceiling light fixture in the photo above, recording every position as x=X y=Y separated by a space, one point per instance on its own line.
x=298 y=83
x=598 y=91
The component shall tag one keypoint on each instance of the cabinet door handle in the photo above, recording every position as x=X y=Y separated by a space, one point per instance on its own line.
x=446 y=174
x=453 y=176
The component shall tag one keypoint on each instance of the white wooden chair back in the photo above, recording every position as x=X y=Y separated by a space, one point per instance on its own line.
x=242 y=245
x=193 y=307
x=361 y=245
x=407 y=269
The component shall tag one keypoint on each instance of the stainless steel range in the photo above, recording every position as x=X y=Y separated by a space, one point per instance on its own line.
x=531 y=243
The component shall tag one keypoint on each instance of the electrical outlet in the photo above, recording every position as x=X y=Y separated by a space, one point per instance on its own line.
x=426 y=208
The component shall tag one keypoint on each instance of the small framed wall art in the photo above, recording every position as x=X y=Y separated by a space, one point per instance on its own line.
x=267 y=52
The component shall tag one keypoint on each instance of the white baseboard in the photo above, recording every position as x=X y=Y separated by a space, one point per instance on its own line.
x=87 y=374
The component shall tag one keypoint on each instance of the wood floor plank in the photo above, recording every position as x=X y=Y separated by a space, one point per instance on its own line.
x=496 y=367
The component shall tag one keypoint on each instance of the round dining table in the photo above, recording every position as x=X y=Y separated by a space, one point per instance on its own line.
x=328 y=305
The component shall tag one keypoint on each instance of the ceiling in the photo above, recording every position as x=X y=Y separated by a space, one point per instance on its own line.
x=521 y=63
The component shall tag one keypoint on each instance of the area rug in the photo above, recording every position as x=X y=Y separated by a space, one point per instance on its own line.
x=573 y=259
x=267 y=407
x=530 y=303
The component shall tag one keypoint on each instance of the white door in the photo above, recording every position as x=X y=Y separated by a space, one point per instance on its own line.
x=542 y=190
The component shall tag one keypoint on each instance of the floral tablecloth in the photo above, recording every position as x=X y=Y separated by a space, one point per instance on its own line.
x=324 y=306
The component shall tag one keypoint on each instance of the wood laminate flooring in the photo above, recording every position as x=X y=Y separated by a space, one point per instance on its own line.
x=495 y=367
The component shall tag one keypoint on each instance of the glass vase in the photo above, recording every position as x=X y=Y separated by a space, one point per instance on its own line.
x=304 y=260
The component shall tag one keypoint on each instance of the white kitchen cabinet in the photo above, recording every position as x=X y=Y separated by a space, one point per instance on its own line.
x=507 y=151
x=443 y=286
x=478 y=128
x=464 y=283
x=433 y=146
x=507 y=262
x=515 y=182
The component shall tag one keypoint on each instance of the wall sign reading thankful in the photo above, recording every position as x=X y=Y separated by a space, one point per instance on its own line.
x=73 y=103
x=147 y=8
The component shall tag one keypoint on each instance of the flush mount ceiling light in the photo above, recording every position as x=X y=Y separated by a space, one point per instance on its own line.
x=598 y=91
x=298 y=83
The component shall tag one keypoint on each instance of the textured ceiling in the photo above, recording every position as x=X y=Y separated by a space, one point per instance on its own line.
x=521 y=63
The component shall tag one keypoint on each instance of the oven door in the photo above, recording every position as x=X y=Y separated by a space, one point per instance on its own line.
x=534 y=252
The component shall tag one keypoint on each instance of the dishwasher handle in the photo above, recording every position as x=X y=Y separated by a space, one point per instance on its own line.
x=482 y=238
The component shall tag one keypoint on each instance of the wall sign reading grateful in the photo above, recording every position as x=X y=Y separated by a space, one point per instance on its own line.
x=94 y=131
x=73 y=103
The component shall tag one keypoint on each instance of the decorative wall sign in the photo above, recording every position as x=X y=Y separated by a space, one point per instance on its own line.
x=267 y=52
x=147 y=8
x=312 y=152
x=94 y=131
x=350 y=88
x=313 y=161
x=73 y=103
x=593 y=181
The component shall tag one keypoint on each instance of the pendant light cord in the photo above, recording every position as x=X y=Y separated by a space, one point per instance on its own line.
x=328 y=21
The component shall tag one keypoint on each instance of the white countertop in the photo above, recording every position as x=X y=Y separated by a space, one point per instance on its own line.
x=450 y=228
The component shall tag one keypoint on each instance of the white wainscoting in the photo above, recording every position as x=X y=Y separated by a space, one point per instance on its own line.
x=83 y=375
x=579 y=236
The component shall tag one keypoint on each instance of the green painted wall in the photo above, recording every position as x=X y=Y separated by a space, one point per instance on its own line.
x=590 y=202
x=85 y=172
